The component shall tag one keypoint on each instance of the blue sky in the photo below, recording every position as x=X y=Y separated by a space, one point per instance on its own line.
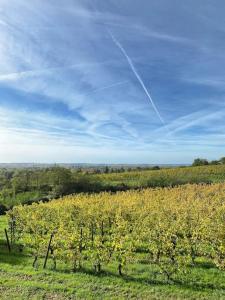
x=112 y=81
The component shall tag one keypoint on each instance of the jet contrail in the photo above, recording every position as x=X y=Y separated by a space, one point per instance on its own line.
x=109 y=86
x=117 y=43
x=106 y=87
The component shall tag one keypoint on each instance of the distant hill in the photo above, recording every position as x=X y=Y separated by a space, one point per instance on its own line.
x=82 y=165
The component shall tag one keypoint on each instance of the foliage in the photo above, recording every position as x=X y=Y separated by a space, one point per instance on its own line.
x=173 y=226
x=200 y=162
x=34 y=185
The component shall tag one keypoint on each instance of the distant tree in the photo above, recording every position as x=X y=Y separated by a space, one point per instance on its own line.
x=122 y=169
x=96 y=171
x=60 y=179
x=155 y=168
x=222 y=160
x=106 y=169
x=214 y=162
x=79 y=170
x=20 y=181
x=200 y=162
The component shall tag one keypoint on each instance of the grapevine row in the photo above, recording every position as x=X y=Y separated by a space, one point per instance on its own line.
x=172 y=226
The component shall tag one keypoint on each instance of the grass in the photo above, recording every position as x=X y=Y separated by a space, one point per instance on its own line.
x=18 y=280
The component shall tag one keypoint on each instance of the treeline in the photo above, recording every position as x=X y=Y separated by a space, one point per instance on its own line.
x=28 y=185
x=116 y=169
x=205 y=162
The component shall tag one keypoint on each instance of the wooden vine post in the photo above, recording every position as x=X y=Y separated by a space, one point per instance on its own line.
x=48 y=250
x=92 y=234
x=7 y=240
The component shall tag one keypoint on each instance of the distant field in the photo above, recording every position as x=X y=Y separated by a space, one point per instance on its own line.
x=163 y=177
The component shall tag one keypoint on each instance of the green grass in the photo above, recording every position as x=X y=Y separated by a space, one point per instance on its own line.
x=18 y=280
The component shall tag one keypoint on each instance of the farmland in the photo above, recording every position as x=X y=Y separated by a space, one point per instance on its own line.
x=32 y=185
x=163 y=178
x=162 y=243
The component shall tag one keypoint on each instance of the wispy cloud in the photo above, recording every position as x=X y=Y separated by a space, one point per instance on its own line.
x=208 y=81
x=28 y=73
x=63 y=83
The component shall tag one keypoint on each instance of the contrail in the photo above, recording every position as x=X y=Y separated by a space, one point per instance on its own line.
x=117 y=43
x=110 y=86
x=106 y=87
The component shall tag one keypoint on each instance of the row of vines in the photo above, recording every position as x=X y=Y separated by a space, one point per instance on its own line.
x=171 y=227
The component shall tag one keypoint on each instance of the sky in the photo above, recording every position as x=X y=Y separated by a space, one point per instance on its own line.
x=115 y=81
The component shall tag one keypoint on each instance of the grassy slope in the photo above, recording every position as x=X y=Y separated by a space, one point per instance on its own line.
x=18 y=280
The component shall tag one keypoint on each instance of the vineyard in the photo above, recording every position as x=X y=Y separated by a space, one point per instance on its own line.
x=25 y=186
x=169 y=229
x=164 y=177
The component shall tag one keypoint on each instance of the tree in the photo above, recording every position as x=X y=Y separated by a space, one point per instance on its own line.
x=106 y=169
x=155 y=168
x=222 y=160
x=60 y=179
x=215 y=162
x=200 y=162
